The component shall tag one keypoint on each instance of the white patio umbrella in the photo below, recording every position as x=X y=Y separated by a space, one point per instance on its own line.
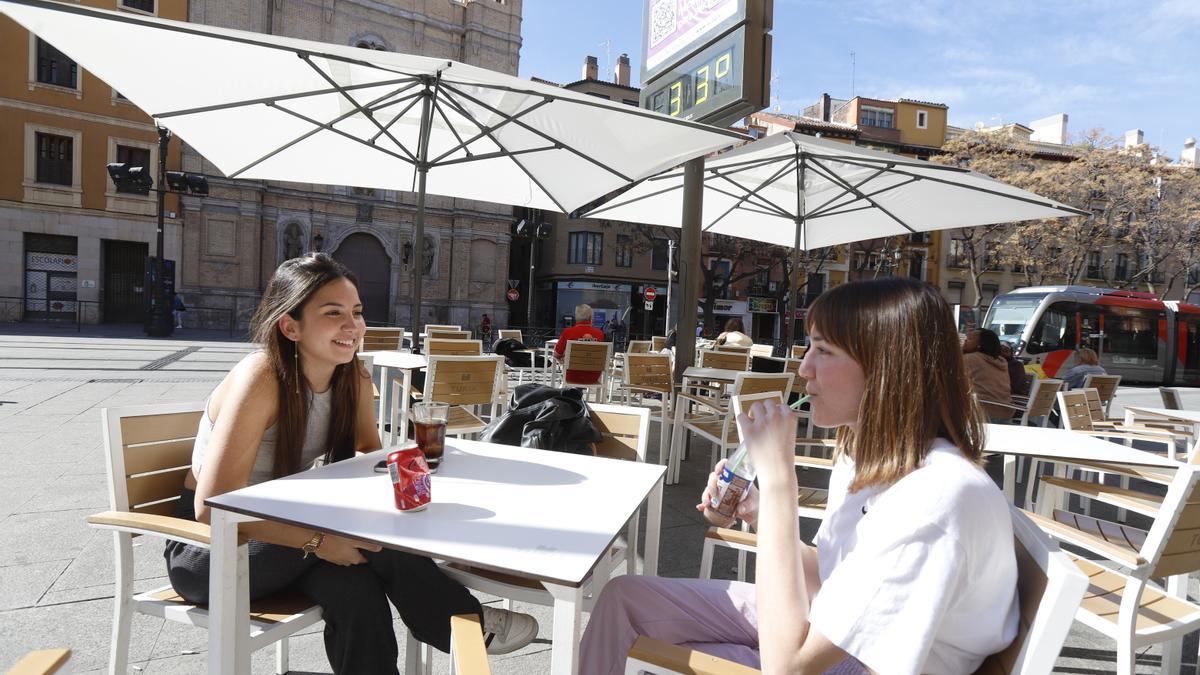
x=849 y=194
x=269 y=107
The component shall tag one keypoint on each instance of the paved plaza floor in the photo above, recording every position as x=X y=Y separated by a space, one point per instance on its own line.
x=56 y=573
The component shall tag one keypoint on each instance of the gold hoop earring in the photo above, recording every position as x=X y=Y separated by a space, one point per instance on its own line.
x=296 y=353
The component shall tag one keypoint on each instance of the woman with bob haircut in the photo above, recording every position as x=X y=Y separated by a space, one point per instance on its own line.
x=913 y=569
x=302 y=400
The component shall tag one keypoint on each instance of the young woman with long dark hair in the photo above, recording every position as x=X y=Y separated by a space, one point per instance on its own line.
x=913 y=569
x=302 y=400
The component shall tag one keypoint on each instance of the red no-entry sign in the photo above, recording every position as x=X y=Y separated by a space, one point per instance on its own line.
x=650 y=294
x=513 y=294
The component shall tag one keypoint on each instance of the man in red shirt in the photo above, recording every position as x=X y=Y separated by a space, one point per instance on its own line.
x=582 y=330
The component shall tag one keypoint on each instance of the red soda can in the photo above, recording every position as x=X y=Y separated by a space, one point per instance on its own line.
x=411 y=486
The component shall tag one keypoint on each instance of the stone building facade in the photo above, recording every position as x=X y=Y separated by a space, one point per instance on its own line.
x=234 y=238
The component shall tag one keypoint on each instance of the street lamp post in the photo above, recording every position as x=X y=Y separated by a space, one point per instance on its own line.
x=160 y=318
x=136 y=180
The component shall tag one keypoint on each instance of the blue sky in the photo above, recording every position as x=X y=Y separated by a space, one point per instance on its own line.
x=1112 y=64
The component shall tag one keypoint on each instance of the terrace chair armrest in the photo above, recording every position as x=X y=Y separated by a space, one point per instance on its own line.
x=1086 y=540
x=175 y=529
x=1150 y=474
x=1018 y=408
x=710 y=403
x=814 y=462
x=676 y=659
x=725 y=536
x=41 y=662
x=468 y=651
x=1122 y=498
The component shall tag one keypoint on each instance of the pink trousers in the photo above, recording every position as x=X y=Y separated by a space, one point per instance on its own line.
x=713 y=616
x=716 y=617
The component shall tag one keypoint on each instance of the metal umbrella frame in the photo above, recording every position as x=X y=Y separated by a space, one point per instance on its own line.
x=754 y=192
x=294 y=110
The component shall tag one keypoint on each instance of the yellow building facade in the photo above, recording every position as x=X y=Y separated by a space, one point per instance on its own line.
x=71 y=245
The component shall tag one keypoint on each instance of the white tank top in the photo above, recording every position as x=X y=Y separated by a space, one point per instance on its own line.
x=315 y=436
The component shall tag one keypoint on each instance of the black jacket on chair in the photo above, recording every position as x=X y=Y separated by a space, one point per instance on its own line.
x=515 y=355
x=545 y=418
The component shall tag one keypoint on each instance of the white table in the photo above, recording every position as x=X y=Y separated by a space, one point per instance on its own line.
x=406 y=363
x=1060 y=445
x=548 y=516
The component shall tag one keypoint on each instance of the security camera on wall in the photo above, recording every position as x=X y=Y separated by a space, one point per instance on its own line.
x=521 y=229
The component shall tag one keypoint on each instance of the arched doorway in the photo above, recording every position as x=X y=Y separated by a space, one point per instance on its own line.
x=365 y=256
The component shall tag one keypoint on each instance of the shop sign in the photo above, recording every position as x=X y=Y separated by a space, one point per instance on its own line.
x=761 y=305
x=51 y=262
x=594 y=286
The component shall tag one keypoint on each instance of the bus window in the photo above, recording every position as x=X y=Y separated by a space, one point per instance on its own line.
x=1089 y=327
x=1009 y=314
x=1190 y=333
x=1054 y=330
x=1132 y=332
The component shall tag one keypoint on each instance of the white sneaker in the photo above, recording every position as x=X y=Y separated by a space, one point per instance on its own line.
x=505 y=631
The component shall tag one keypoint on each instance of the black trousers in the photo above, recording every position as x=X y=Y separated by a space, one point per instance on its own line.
x=354 y=600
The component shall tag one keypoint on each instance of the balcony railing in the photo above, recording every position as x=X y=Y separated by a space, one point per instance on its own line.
x=957 y=259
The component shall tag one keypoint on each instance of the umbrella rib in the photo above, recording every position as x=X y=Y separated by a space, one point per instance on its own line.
x=366 y=112
x=485 y=131
x=617 y=204
x=449 y=125
x=831 y=175
x=544 y=136
x=746 y=194
x=271 y=99
x=492 y=155
x=836 y=197
x=839 y=209
x=627 y=110
x=319 y=127
x=899 y=161
x=1037 y=202
x=412 y=101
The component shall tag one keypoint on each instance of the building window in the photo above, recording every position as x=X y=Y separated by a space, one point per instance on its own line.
x=1121 y=273
x=585 y=248
x=958 y=255
x=916 y=265
x=53 y=67
x=954 y=292
x=140 y=5
x=1093 y=265
x=370 y=44
x=988 y=294
x=875 y=117
x=133 y=157
x=624 y=250
x=369 y=193
x=54 y=159
x=922 y=119
x=660 y=254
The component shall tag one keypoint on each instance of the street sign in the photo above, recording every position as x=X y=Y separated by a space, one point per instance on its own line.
x=650 y=294
x=649 y=305
x=513 y=294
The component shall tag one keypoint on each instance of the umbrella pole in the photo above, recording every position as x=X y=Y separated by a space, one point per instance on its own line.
x=422 y=165
x=689 y=264
x=800 y=244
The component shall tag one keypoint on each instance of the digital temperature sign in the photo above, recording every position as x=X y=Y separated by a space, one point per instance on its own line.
x=719 y=82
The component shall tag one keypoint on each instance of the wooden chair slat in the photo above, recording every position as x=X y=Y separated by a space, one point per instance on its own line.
x=157 y=456
x=444 y=347
x=509 y=334
x=150 y=428
x=382 y=339
x=761 y=385
x=724 y=360
x=448 y=335
x=658 y=343
x=155 y=486
x=165 y=508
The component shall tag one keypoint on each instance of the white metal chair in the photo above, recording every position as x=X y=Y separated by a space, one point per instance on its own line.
x=1048 y=585
x=444 y=347
x=1106 y=386
x=647 y=382
x=1172 y=398
x=588 y=356
x=1128 y=606
x=149 y=452
x=377 y=339
x=466 y=384
x=710 y=417
x=509 y=334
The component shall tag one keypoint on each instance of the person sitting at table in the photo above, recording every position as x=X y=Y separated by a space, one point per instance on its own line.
x=913 y=570
x=734 y=335
x=1089 y=364
x=1016 y=371
x=582 y=330
x=302 y=400
x=988 y=373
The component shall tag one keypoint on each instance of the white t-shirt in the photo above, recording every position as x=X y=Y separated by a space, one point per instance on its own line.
x=920 y=576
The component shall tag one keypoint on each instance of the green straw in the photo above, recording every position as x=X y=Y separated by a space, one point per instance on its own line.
x=801 y=401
